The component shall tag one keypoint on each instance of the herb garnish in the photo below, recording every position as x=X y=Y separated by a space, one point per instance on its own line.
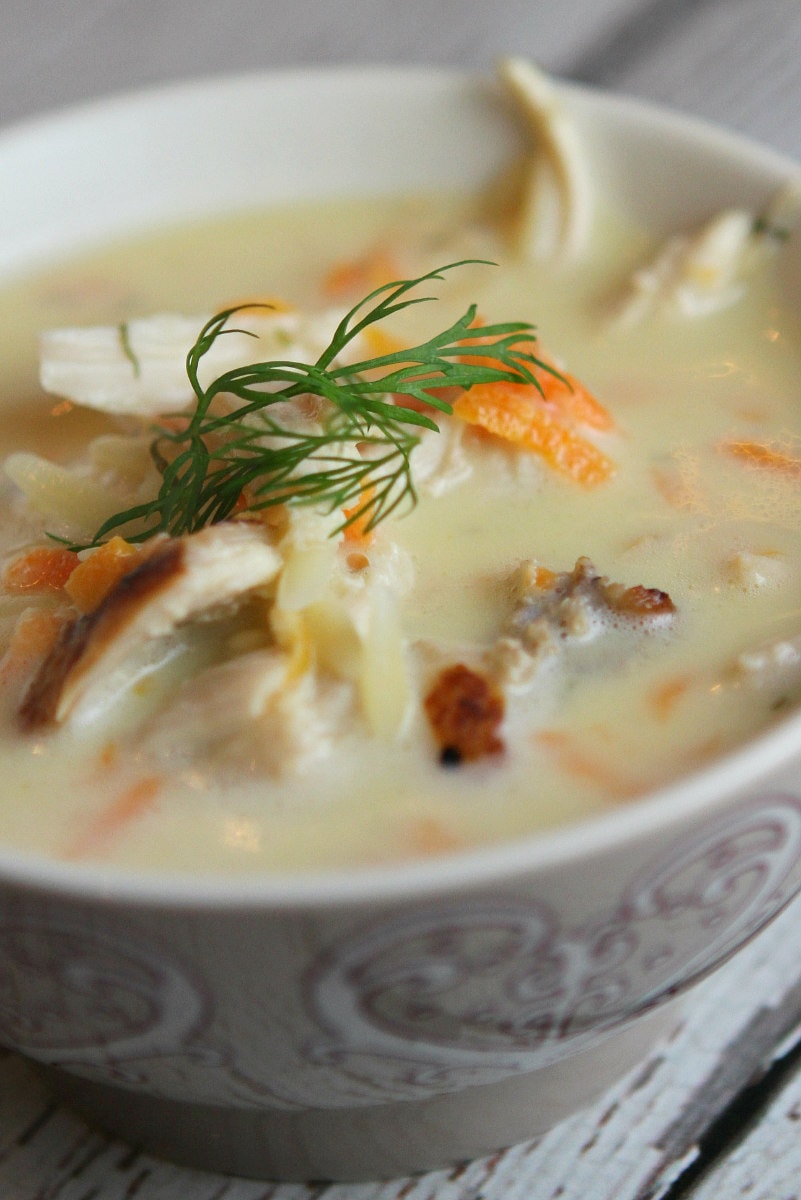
x=359 y=460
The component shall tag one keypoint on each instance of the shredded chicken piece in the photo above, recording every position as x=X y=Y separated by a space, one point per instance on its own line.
x=695 y=274
x=139 y=369
x=440 y=461
x=177 y=580
x=556 y=213
x=558 y=622
x=465 y=710
x=254 y=711
x=574 y=601
x=775 y=665
x=753 y=572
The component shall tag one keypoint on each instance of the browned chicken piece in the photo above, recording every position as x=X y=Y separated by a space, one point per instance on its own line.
x=465 y=710
x=556 y=617
x=178 y=579
x=574 y=612
x=578 y=603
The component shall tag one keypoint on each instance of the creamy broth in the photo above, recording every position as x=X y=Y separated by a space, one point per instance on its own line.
x=718 y=534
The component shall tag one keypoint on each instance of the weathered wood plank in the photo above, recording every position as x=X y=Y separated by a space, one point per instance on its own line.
x=765 y=1164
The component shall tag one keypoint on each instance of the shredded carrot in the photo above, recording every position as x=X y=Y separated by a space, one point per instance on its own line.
x=130 y=804
x=703 y=752
x=664 y=698
x=760 y=454
x=33 y=638
x=515 y=412
x=540 y=418
x=43 y=569
x=562 y=391
x=93 y=579
x=582 y=764
x=428 y=835
x=361 y=275
x=572 y=398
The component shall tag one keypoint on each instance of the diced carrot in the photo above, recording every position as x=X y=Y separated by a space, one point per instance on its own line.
x=130 y=804
x=42 y=569
x=357 y=533
x=33 y=638
x=515 y=412
x=760 y=454
x=357 y=561
x=361 y=275
x=544 y=578
x=93 y=579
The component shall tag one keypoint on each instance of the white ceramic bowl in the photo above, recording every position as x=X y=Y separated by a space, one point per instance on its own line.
x=372 y=1023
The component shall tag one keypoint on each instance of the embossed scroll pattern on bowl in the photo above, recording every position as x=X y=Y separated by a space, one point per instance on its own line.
x=443 y=996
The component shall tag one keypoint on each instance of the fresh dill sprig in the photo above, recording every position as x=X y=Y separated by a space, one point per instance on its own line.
x=358 y=456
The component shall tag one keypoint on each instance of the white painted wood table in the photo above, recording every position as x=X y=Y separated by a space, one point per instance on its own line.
x=715 y=1112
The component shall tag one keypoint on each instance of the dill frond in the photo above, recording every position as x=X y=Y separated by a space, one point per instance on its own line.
x=358 y=458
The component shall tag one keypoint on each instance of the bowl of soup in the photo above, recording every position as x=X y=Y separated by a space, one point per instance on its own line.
x=400 y=605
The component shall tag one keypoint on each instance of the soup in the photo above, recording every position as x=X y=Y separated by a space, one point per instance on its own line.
x=597 y=590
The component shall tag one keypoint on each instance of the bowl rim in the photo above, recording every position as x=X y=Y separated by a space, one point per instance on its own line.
x=376 y=73
x=686 y=798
